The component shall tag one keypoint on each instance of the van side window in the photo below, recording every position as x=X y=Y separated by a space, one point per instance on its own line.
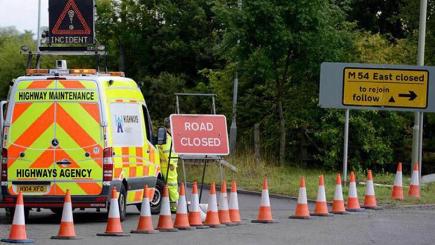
x=148 y=124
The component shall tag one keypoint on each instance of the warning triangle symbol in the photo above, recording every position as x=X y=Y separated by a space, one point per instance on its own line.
x=70 y=12
x=392 y=100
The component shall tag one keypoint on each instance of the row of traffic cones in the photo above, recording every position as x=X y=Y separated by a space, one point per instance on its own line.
x=18 y=232
x=321 y=206
x=338 y=205
x=226 y=214
x=414 y=187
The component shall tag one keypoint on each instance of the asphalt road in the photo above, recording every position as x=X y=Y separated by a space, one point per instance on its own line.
x=388 y=226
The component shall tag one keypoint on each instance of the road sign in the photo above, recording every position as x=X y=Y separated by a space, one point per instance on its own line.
x=383 y=87
x=199 y=134
x=71 y=22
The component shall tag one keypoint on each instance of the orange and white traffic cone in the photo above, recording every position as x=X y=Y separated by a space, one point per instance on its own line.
x=165 y=219
x=352 y=199
x=301 y=211
x=224 y=213
x=321 y=208
x=414 y=186
x=338 y=202
x=233 y=205
x=264 y=211
x=370 y=197
x=113 y=227
x=194 y=209
x=397 y=192
x=66 y=230
x=145 y=224
x=212 y=218
x=18 y=233
x=182 y=218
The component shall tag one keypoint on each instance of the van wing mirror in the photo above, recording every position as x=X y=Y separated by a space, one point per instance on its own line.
x=3 y=106
x=161 y=136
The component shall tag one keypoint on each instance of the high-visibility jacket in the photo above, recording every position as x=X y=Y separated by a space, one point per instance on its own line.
x=172 y=178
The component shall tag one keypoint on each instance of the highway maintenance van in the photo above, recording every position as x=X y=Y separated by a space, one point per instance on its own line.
x=80 y=131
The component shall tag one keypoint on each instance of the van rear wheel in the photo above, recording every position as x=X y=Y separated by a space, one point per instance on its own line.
x=10 y=214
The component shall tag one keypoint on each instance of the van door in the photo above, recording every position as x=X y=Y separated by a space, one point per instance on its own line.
x=55 y=139
x=79 y=134
x=29 y=139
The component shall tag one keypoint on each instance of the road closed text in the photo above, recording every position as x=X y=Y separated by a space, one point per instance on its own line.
x=199 y=141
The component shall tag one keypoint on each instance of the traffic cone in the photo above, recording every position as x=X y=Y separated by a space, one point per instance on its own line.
x=397 y=193
x=224 y=213
x=66 y=230
x=145 y=224
x=370 y=197
x=414 y=186
x=264 y=211
x=113 y=227
x=165 y=218
x=338 y=202
x=234 y=204
x=212 y=218
x=301 y=211
x=18 y=233
x=352 y=199
x=321 y=208
x=194 y=209
x=182 y=218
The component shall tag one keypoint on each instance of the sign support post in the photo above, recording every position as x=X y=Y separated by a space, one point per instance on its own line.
x=38 y=33
x=417 y=138
x=345 y=145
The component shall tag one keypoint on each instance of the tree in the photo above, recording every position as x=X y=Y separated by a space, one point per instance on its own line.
x=11 y=62
x=282 y=44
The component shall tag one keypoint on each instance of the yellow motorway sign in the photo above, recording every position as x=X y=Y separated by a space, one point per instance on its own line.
x=385 y=87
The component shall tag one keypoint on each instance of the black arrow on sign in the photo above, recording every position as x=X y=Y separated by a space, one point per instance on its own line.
x=411 y=95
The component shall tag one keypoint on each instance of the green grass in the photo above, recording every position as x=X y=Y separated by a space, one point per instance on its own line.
x=285 y=180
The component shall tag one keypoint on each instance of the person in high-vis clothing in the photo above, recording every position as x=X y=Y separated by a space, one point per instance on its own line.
x=170 y=174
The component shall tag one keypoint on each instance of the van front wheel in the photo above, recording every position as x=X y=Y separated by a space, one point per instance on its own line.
x=122 y=203
x=156 y=202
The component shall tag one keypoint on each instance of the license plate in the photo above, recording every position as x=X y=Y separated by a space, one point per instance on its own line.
x=32 y=188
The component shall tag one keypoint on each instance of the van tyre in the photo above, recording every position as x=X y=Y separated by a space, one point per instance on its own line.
x=10 y=214
x=57 y=211
x=122 y=203
x=157 y=198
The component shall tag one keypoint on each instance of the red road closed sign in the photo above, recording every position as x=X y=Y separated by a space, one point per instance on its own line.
x=199 y=134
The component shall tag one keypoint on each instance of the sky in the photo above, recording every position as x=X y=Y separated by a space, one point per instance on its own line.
x=23 y=14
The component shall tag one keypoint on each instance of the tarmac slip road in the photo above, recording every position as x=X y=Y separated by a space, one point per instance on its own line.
x=388 y=226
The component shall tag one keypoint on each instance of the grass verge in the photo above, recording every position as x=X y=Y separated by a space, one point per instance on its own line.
x=285 y=180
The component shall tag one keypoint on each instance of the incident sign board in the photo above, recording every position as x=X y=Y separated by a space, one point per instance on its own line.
x=71 y=22
x=194 y=134
x=383 y=87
